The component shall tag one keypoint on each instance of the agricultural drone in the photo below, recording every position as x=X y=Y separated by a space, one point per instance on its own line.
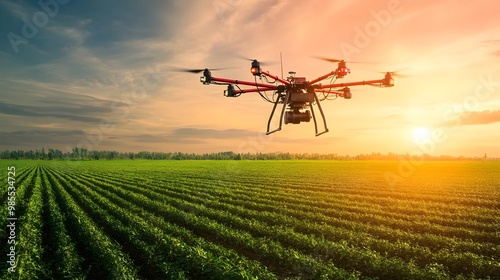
x=297 y=95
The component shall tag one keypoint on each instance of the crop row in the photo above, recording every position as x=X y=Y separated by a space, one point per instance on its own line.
x=358 y=210
x=62 y=257
x=287 y=236
x=444 y=214
x=104 y=258
x=24 y=189
x=263 y=249
x=210 y=220
x=148 y=234
x=283 y=211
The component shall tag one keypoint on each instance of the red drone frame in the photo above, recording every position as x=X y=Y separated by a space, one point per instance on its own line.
x=295 y=93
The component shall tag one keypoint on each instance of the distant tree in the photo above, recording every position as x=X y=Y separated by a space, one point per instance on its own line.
x=13 y=155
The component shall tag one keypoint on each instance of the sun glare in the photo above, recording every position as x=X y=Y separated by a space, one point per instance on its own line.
x=421 y=133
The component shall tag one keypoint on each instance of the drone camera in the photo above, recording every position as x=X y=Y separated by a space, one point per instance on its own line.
x=255 y=70
x=297 y=117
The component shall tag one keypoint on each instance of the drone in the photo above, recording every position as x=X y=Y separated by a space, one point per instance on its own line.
x=297 y=95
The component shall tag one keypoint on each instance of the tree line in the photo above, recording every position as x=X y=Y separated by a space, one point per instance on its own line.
x=78 y=153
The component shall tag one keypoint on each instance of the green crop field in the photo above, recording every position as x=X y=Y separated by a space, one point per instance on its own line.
x=133 y=219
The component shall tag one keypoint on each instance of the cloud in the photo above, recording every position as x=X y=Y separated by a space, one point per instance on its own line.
x=194 y=135
x=477 y=118
x=39 y=138
x=483 y=117
x=494 y=43
x=75 y=114
x=212 y=133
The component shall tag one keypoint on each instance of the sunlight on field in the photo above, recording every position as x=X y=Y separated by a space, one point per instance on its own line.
x=247 y=219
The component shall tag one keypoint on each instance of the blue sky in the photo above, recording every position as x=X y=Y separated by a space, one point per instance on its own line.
x=98 y=74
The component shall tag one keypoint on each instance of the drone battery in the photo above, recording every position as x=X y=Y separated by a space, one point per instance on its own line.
x=299 y=80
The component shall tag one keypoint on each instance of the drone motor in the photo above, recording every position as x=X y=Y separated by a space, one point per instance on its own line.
x=256 y=70
x=206 y=79
x=230 y=91
x=347 y=93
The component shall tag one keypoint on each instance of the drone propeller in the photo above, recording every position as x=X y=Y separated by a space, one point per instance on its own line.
x=334 y=60
x=395 y=74
x=252 y=59
x=194 y=71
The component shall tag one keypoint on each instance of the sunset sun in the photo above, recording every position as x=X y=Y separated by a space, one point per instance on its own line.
x=421 y=133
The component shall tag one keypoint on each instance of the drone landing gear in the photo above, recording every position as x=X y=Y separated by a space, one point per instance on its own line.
x=322 y=116
x=294 y=115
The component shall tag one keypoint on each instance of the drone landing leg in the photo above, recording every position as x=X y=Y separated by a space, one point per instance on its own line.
x=281 y=116
x=322 y=116
x=314 y=119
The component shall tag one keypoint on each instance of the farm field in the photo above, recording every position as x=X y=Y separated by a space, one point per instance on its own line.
x=134 y=219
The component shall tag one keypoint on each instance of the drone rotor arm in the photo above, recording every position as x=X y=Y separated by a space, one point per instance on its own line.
x=322 y=78
x=339 y=93
x=240 y=82
x=254 y=90
x=361 y=83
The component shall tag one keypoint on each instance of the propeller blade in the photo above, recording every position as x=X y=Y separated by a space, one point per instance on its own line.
x=335 y=60
x=239 y=56
x=252 y=59
x=194 y=71
x=396 y=74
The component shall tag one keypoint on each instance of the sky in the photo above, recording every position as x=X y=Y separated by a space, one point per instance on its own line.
x=101 y=75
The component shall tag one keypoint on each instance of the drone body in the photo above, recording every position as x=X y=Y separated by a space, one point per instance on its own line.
x=297 y=95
